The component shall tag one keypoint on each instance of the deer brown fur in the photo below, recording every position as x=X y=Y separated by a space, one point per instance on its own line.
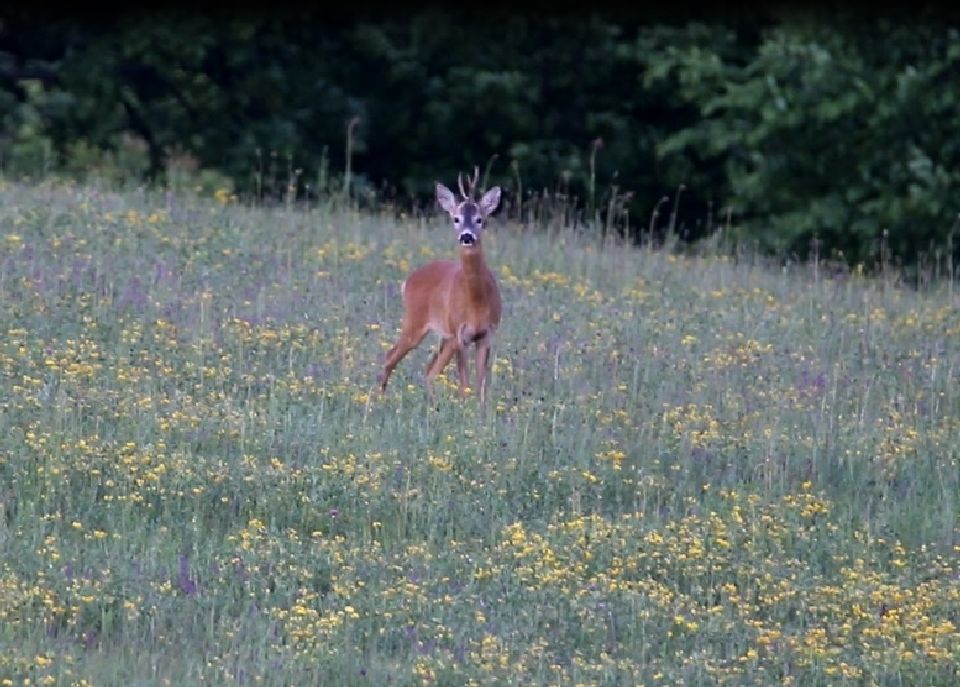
x=457 y=299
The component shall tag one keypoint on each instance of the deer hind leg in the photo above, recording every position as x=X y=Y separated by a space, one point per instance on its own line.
x=406 y=343
x=434 y=357
x=462 y=370
x=483 y=366
x=447 y=349
x=461 y=365
x=466 y=336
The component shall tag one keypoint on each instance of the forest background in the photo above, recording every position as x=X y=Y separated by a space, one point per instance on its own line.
x=796 y=132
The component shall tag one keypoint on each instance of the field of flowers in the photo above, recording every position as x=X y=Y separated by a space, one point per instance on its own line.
x=692 y=470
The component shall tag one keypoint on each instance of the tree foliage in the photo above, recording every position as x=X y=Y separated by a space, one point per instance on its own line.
x=840 y=136
x=840 y=132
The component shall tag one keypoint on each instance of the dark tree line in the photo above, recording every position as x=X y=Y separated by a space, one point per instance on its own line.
x=801 y=129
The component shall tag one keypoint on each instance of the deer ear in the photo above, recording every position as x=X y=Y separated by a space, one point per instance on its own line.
x=490 y=201
x=446 y=199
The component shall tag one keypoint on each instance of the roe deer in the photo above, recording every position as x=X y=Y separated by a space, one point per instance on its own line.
x=457 y=299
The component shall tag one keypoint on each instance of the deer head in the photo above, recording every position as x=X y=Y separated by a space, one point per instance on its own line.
x=468 y=215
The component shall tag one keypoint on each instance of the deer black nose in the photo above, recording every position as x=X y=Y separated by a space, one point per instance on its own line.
x=467 y=238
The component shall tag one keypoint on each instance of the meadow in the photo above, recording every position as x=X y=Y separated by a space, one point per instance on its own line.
x=692 y=469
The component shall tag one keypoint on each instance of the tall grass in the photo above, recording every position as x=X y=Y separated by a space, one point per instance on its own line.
x=697 y=469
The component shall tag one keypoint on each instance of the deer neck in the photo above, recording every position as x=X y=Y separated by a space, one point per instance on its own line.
x=475 y=271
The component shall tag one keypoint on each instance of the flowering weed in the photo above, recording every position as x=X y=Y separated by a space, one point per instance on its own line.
x=690 y=471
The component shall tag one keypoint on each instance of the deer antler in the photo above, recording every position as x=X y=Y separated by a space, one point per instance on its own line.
x=471 y=183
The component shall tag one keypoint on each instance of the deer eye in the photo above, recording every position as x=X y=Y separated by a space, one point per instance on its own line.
x=478 y=221
x=456 y=220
